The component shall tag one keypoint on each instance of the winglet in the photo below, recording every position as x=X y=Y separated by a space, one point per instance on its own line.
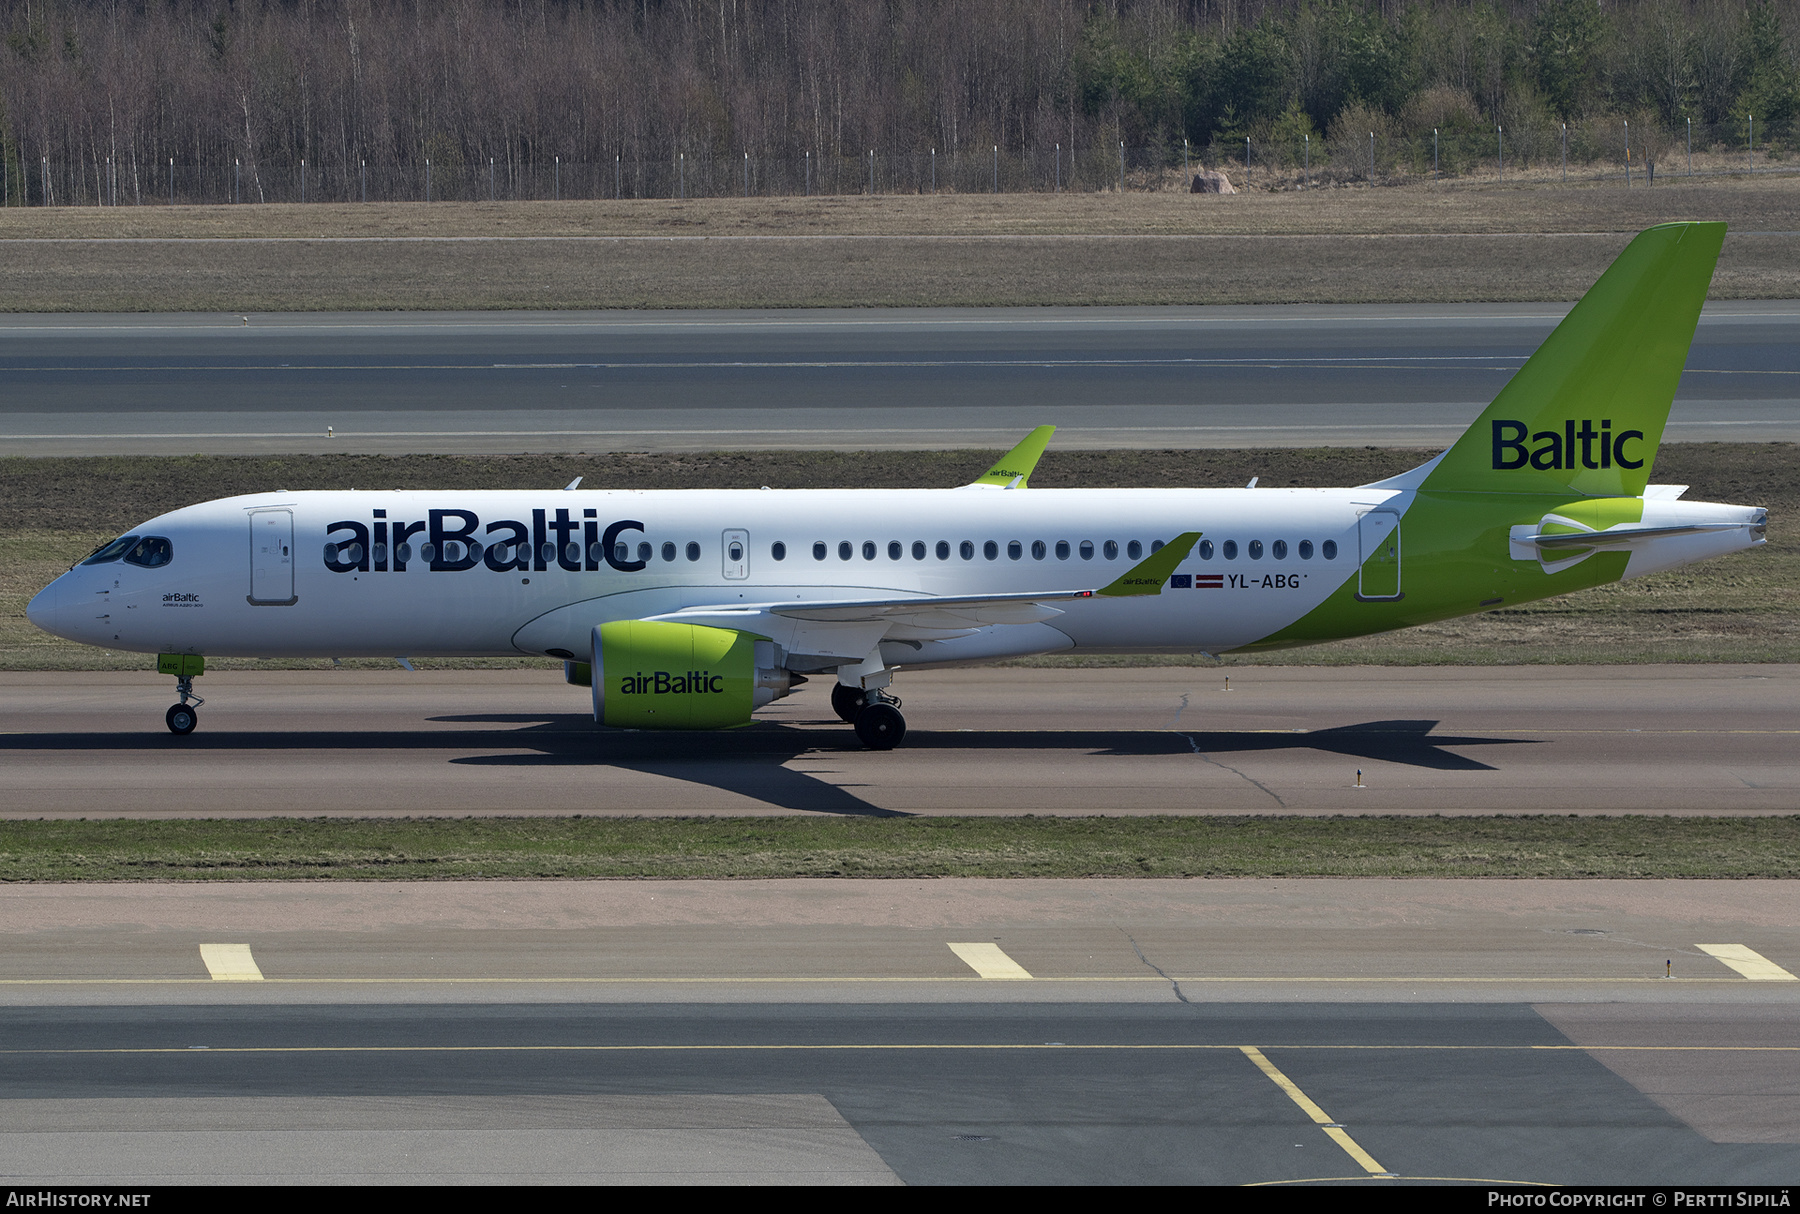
x=1149 y=575
x=1013 y=470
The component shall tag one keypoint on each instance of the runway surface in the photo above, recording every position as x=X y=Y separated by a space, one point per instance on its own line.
x=1588 y=739
x=1110 y=377
x=955 y=1031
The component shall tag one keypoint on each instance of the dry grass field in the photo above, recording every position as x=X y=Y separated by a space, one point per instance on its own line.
x=1744 y=608
x=1418 y=243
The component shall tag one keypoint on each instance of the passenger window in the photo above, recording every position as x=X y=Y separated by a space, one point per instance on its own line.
x=1328 y=550
x=1156 y=546
x=1014 y=550
x=1111 y=550
x=868 y=550
x=621 y=553
x=991 y=550
x=112 y=551
x=1279 y=550
x=1062 y=550
x=1206 y=550
x=1306 y=550
x=668 y=550
x=153 y=552
x=966 y=550
x=1087 y=550
x=918 y=550
x=643 y=551
x=895 y=551
x=1134 y=551
x=1038 y=550
x=1230 y=550
x=693 y=551
x=819 y=550
x=778 y=550
x=1256 y=550
x=845 y=551
x=943 y=550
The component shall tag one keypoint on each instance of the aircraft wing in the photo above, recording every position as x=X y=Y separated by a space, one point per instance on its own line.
x=948 y=612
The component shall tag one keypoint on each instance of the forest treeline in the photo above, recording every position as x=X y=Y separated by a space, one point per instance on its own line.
x=257 y=84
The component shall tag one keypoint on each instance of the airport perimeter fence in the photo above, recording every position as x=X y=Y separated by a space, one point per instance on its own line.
x=1632 y=154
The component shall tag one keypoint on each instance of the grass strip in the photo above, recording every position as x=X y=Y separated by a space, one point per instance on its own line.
x=409 y=848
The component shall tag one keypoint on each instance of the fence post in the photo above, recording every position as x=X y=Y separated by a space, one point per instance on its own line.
x=555 y=181
x=362 y=174
x=1565 y=150
x=683 y=159
x=302 y=179
x=1434 y=155
x=618 y=180
x=1121 y=166
x=171 y=181
x=1246 y=162
x=809 y=174
x=490 y=179
x=1186 y=172
x=1627 y=122
x=871 y=172
x=1500 y=134
x=1371 y=160
x=1059 y=168
x=746 y=174
x=997 y=168
x=1752 y=120
x=1690 y=147
x=237 y=180
x=1306 y=152
x=934 y=170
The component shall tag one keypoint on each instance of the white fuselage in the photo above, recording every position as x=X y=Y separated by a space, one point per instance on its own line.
x=249 y=576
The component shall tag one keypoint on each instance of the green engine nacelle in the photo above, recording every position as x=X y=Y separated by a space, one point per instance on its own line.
x=649 y=675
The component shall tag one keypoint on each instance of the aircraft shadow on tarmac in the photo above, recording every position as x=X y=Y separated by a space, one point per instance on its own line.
x=752 y=762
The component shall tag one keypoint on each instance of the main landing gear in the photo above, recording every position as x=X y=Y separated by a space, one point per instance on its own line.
x=182 y=717
x=874 y=714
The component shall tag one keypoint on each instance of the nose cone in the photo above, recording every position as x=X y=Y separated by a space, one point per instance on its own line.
x=46 y=608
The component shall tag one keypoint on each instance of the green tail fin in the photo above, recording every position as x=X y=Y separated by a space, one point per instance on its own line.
x=1019 y=463
x=1587 y=411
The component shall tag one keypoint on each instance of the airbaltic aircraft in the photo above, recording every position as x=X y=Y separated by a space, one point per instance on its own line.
x=691 y=609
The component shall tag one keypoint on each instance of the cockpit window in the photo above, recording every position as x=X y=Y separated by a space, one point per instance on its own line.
x=112 y=551
x=152 y=552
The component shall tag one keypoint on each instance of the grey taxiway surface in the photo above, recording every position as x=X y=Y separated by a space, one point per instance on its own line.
x=1110 y=377
x=874 y=1032
x=1668 y=739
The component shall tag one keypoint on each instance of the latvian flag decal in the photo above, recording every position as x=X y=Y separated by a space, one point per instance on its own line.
x=1209 y=581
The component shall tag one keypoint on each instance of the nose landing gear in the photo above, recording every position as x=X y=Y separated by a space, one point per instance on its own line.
x=182 y=717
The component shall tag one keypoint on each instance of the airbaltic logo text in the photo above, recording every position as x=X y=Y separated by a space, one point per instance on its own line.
x=449 y=541
x=662 y=683
x=1559 y=449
